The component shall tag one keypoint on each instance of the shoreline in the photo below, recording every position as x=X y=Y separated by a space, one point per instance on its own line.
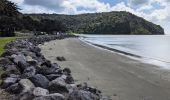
x=126 y=79
x=153 y=61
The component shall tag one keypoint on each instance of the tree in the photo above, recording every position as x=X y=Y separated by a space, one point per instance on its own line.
x=8 y=16
x=8 y=8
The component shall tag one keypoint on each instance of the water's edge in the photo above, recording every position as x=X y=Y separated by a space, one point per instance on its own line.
x=155 y=62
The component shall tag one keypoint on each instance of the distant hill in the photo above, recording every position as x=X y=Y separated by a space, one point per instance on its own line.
x=104 y=23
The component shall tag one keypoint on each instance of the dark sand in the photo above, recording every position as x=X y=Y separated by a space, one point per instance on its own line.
x=116 y=75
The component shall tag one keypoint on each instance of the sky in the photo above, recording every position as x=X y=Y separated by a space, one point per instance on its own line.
x=156 y=11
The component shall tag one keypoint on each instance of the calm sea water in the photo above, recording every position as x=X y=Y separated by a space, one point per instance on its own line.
x=154 y=49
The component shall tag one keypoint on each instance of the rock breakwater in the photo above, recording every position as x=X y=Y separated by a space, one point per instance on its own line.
x=28 y=75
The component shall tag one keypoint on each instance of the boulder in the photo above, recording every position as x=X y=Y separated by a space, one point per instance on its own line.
x=31 y=61
x=43 y=69
x=58 y=86
x=22 y=65
x=46 y=63
x=25 y=96
x=9 y=52
x=66 y=71
x=17 y=58
x=6 y=74
x=29 y=72
x=26 y=84
x=52 y=69
x=69 y=79
x=40 y=81
x=55 y=96
x=52 y=76
x=5 y=61
x=82 y=95
x=8 y=81
x=12 y=69
x=38 y=91
x=14 y=89
x=60 y=58
x=35 y=49
x=55 y=65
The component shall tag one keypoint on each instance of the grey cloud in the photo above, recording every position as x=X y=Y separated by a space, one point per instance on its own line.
x=49 y=4
x=138 y=2
x=167 y=0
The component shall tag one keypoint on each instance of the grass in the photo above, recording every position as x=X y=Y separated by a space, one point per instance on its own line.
x=4 y=41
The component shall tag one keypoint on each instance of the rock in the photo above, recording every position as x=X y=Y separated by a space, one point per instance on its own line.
x=22 y=65
x=40 y=92
x=14 y=89
x=55 y=96
x=52 y=76
x=59 y=71
x=9 y=52
x=12 y=69
x=46 y=63
x=29 y=72
x=82 y=95
x=92 y=90
x=38 y=54
x=60 y=58
x=55 y=65
x=58 y=86
x=5 y=61
x=40 y=81
x=26 y=84
x=69 y=79
x=35 y=49
x=63 y=77
x=17 y=58
x=4 y=75
x=26 y=96
x=8 y=81
x=71 y=87
x=31 y=61
x=48 y=70
x=66 y=71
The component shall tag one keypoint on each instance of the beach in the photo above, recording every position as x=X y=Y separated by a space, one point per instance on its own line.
x=118 y=76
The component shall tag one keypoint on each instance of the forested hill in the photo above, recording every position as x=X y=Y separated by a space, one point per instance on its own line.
x=104 y=23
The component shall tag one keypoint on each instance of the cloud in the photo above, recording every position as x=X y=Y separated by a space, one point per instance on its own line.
x=138 y=2
x=49 y=4
x=17 y=1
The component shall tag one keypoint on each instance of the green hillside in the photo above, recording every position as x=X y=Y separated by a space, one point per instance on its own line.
x=104 y=23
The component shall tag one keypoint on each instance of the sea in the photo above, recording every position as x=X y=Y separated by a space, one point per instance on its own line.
x=153 y=49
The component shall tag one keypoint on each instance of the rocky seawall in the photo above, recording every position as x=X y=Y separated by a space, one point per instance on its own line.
x=28 y=75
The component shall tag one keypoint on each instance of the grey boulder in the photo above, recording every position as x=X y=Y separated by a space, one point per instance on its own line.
x=29 y=72
x=38 y=91
x=82 y=95
x=8 y=81
x=40 y=80
x=15 y=88
x=26 y=84
x=58 y=86
x=55 y=96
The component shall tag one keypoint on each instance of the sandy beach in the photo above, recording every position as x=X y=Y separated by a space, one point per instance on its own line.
x=116 y=75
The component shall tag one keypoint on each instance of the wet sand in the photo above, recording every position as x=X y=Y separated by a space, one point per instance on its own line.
x=116 y=75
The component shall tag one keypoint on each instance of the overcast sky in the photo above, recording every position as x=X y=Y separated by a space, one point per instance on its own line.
x=157 y=11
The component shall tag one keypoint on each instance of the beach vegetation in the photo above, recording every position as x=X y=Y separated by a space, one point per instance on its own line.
x=4 y=41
